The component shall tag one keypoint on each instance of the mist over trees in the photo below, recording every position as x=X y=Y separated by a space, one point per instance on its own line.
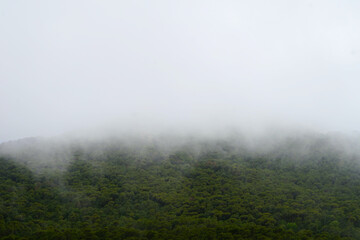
x=303 y=186
x=179 y=119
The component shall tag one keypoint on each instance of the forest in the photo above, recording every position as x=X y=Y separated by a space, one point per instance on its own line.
x=200 y=189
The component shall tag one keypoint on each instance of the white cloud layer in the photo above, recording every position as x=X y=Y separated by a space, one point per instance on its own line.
x=66 y=65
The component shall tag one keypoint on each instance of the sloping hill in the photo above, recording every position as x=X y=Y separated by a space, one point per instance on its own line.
x=203 y=190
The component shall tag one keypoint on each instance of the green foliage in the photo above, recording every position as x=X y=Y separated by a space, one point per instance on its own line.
x=123 y=194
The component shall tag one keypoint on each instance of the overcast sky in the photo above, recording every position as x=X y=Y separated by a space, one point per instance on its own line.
x=66 y=65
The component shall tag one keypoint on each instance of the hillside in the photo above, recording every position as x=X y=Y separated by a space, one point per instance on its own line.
x=296 y=188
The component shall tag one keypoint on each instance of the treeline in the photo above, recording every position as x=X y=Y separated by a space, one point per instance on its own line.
x=215 y=193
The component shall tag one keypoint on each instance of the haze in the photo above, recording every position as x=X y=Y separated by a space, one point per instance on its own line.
x=68 y=65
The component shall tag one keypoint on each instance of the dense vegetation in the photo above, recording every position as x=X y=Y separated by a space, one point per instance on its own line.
x=212 y=193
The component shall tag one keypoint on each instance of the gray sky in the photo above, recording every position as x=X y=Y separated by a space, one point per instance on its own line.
x=66 y=65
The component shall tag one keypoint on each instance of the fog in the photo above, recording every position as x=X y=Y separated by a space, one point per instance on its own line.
x=70 y=66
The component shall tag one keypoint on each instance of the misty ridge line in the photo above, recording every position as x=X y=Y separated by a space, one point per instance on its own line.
x=41 y=153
